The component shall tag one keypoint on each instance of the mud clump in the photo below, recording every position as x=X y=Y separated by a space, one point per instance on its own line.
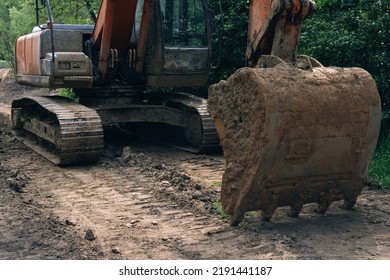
x=89 y=235
x=14 y=179
x=292 y=137
x=171 y=181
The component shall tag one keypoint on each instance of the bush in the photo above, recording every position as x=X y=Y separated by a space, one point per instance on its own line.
x=68 y=93
x=352 y=33
x=379 y=171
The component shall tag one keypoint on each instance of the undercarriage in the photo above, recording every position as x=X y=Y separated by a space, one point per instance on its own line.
x=67 y=132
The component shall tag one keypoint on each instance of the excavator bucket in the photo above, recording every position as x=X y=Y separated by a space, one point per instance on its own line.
x=292 y=136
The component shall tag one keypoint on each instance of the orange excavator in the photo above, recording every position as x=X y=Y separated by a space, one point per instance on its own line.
x=292 y=131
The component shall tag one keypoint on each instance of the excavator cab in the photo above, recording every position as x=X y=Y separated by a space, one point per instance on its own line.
x=179 y=44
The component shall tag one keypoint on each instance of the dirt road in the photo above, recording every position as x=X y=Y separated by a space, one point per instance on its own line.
x=146 y=201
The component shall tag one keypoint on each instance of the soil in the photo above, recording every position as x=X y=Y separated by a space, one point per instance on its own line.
x=147 y=201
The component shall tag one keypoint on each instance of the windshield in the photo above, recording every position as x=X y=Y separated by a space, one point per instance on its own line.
x=183 y=23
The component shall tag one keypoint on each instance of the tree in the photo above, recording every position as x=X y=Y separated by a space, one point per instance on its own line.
x=352 y=33
x=345 y=33
x=6 y=36
x=230 y=36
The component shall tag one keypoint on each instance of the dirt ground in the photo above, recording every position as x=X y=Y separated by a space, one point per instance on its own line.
x=147 y=201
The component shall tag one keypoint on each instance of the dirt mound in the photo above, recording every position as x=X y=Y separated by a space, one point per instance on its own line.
x=14 y=179
x=292 y=137
x=11 y=90
x=172 y=182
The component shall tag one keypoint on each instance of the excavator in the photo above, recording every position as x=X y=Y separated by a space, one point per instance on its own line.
x=292 y=131
x=121 y=69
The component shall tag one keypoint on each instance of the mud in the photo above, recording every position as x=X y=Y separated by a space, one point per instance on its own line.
x=292 y=137
x=147 y=201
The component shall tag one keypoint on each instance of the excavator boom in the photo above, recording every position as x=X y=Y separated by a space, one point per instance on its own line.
x=274 y=28
x=114 y=27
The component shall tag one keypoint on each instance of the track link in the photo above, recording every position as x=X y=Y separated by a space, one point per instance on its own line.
x=208 y=140
x=61 y=130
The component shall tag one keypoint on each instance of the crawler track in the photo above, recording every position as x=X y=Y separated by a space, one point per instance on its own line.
x=69 y=133
x=66 y=132
x=209 y=138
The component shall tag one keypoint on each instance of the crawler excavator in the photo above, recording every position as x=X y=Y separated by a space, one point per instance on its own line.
x=118 y=68
x=292 y=131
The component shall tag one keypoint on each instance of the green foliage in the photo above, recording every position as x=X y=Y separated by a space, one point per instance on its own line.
x=221 y=213
x=6 y=38
x=73 y=11
x=230 y=36
x=216 y=184
x=3 y=64
x=22 y=18
x=68 y=93
x=345 y=33
x=17 y=18
x=379 y=171
x=352 y=33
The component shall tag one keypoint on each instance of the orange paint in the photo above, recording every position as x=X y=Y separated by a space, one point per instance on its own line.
x=259 y=10
x=296 y=8
x=27 y=51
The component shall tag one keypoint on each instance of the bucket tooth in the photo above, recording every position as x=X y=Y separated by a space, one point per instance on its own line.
x=267 y=213
x=349 y=204
x=295 y=210
x=322 y=207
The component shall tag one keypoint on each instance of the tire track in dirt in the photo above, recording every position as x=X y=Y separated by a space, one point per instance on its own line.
x=122 y=214
x=137 y=210
x=28 y=229
x=121 y=206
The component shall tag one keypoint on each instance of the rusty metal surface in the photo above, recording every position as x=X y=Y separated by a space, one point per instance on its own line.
x=117 y=17
x=113 y=28
x=143 y=35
